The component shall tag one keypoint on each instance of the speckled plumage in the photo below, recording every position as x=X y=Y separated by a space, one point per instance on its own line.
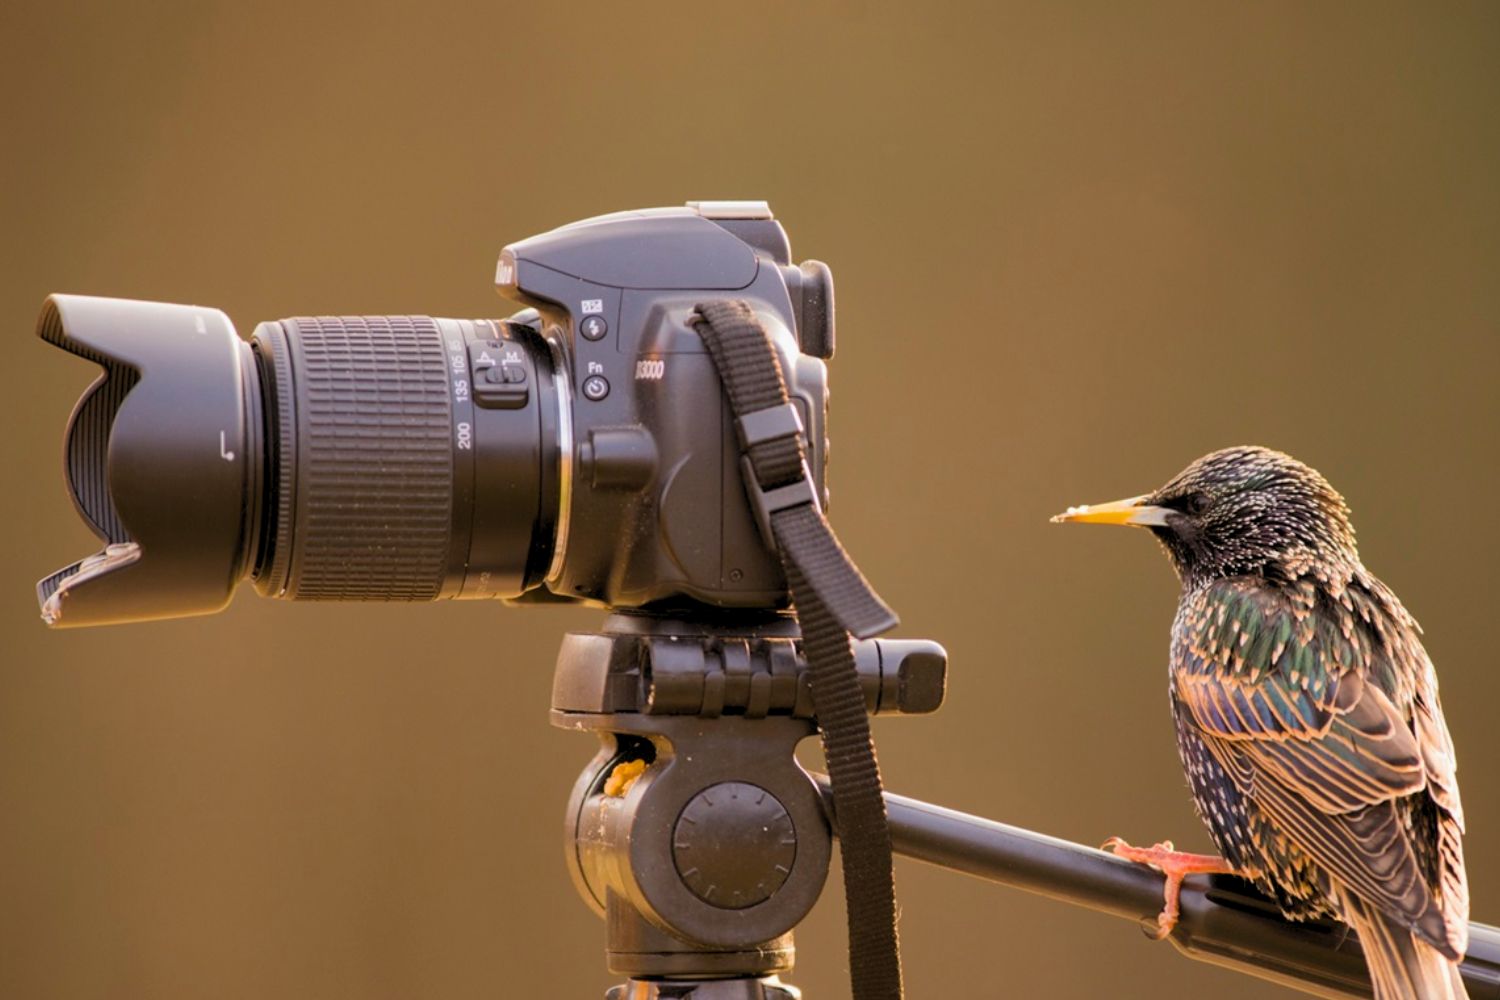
x=1307 y=715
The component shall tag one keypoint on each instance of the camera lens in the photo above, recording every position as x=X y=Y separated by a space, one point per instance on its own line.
x=374 y=469
x=394 y=458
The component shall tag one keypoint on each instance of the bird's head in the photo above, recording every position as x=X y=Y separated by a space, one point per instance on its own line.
x=1241 y=512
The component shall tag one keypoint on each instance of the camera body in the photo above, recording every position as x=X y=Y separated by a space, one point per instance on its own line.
x=657 y=511
x=580 y=451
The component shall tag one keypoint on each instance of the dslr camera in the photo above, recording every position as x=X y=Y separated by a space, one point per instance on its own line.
x=578 y=451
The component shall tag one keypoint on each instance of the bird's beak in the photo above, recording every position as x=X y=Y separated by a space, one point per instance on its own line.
x=1132 y=511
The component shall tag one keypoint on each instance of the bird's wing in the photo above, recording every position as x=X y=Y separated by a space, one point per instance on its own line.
x=1448 y=811
x=1278 y=689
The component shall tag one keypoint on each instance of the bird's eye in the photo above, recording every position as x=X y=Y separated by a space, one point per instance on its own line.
x=1197 y=503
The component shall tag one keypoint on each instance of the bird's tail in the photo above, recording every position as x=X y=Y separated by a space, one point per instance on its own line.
x=1402 y=965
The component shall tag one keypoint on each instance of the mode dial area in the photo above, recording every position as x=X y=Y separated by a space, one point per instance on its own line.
x=501 y=381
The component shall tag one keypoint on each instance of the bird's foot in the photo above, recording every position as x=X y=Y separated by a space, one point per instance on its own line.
x=1174 y=864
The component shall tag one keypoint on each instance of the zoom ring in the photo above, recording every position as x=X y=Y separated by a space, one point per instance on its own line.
x=373 y=491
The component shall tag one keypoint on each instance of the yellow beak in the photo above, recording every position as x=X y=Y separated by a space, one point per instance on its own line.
x=1132 y=511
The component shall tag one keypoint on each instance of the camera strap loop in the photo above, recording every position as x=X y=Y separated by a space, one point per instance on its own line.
x=833 y=601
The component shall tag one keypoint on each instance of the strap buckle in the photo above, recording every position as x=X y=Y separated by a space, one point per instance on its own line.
x=766 y=503
x=758 y=427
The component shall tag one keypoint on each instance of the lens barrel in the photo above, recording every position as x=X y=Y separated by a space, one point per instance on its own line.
x=383 y=466
x=392 y=458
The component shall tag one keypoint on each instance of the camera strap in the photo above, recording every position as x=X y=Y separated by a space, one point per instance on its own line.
x=833 y=601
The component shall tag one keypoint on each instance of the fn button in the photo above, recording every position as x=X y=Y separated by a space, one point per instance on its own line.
x=596 y=387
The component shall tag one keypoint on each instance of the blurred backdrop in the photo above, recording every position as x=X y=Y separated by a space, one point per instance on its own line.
x=1075 y=247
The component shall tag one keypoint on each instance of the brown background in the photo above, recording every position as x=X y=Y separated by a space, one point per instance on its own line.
x=1075 y=248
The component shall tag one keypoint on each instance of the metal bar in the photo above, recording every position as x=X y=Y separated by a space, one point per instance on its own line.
x=1224 y=921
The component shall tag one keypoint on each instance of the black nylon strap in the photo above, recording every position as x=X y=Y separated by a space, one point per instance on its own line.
x=832 y=601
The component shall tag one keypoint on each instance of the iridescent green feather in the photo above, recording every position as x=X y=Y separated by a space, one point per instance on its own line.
x=1325 y=761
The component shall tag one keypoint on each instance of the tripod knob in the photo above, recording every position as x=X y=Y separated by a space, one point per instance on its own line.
x=734 y=845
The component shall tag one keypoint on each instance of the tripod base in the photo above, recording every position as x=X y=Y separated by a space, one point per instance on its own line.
x=766 y=988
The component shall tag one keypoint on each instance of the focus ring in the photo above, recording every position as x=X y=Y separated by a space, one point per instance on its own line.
x=372 y=513
x=274 y=358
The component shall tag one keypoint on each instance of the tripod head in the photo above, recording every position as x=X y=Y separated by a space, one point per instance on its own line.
x=694 y=831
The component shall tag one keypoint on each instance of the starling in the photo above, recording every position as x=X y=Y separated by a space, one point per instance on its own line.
x=1307 y=717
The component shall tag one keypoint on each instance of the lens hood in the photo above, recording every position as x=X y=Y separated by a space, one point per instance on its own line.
x=163 y=457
